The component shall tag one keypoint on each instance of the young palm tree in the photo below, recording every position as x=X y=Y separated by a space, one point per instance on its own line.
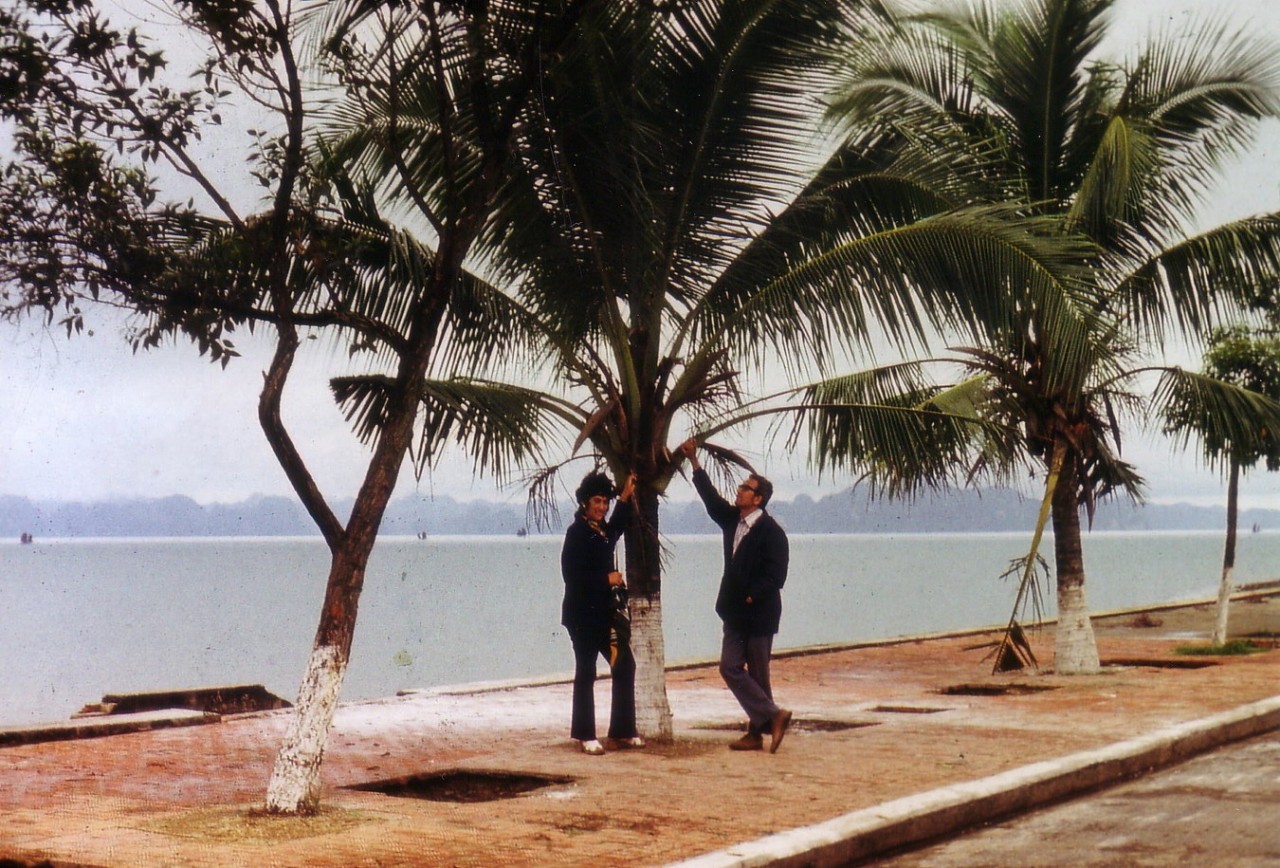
x=1011 y=103
x=675 y=225
x=674 y=216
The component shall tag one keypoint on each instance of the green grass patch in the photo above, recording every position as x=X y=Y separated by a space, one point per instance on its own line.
x=1235 y=647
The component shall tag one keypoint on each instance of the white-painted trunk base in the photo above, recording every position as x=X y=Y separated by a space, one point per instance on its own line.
x=1224 y=606
x=1075 y=650
x=653 y=710
x=295 y=780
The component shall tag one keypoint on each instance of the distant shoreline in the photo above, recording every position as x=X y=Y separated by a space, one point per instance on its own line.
x=997 y=510
x=555 y=536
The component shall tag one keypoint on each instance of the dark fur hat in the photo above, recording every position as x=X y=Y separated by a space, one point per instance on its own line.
x=593 y=484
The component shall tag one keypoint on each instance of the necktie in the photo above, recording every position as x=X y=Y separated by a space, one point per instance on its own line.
x=743 y=527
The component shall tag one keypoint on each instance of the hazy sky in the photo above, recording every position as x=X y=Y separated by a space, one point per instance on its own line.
x=85 y=419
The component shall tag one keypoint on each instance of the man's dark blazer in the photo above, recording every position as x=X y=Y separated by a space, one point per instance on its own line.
x=758 y=570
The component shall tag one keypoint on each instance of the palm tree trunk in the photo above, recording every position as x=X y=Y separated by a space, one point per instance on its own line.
x=1228 y=556
x=1075 y=649
x=644 y=577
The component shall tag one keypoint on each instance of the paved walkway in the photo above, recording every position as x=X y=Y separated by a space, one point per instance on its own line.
x=892 y=742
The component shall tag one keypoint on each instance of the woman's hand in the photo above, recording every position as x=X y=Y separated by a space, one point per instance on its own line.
x=628 y=489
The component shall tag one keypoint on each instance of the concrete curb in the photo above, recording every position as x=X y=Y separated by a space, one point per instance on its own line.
x=924 y=816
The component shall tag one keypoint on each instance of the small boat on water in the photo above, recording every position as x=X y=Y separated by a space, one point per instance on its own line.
x=26 y=538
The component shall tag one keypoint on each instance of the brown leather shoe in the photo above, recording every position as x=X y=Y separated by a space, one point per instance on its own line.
x=778 y=728
x=750 y=741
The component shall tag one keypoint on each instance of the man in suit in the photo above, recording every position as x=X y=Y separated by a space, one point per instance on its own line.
x=750 y=598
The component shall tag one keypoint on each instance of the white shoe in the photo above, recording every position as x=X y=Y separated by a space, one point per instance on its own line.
x=634 y=741
x=591 y=746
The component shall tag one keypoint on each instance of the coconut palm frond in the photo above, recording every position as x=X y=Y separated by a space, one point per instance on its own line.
x=1117 y=179
x=1201 y=92
x=1200 y=281
x=653 y=147
x=1228 y=419
x=1034 y=75
x=975 y=271
x=903 y=72
x=501 y=427
x=542 y=507
x=902 y=433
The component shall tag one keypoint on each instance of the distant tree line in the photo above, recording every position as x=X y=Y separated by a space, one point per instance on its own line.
x=850 y=511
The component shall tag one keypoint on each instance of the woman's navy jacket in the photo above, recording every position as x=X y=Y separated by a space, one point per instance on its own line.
x=585 y=563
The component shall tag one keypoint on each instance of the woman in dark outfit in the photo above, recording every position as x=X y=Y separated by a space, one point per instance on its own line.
x=590 y=577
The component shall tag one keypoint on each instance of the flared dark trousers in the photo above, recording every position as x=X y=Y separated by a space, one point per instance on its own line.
x=588 y=646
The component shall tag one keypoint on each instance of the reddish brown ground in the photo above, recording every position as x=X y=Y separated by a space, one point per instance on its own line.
x=184 y=797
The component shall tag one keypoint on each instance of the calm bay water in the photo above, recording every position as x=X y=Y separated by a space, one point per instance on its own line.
x=80 y=618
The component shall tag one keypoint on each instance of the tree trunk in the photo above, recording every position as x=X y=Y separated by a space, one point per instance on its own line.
x=295 y=781
x=644 y=577
x=1075 y=649
x=1228 y=556
x=294 y=786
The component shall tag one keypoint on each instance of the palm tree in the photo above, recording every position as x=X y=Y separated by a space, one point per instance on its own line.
x=1012 y=104
x=675 y=223
x=1250 y=360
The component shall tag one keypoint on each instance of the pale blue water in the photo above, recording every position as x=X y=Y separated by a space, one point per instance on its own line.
x=80 y=618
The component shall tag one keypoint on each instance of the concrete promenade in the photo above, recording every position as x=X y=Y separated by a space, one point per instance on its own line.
x=893 y=744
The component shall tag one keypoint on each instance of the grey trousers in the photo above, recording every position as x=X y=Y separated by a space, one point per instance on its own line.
x=744 y=666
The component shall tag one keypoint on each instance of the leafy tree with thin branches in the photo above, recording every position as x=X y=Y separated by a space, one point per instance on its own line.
x=84 y=217
x=1248 y=358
